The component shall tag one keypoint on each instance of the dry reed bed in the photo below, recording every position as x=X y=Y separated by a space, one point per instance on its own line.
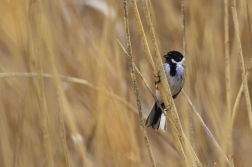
x=67 y=98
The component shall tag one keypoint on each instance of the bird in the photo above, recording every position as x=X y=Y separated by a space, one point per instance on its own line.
x=175 y=72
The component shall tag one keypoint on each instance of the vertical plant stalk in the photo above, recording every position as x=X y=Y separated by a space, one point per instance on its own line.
x=188 y=79
x=249 y=22
x=244 y=78
x=143 y=37
x=41 y=93
x=229 y=144
x=45 y=35
x=227 y=60
x=17 y=137
x=183 y=26
x=197 y=162
x=59 y=99
x=136 y=91
x=44 y=113
x=6 y=147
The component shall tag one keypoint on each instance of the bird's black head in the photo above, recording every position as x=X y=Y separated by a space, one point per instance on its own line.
x=173 y=57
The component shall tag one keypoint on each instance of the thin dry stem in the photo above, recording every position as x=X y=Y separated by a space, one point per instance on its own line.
x=51 y=57
x=185 y=54
x=239 y=96
x=183 y=26
x=229 y=140
x=44 y=112
x=249 y=22
x=227 y=61
x=143 y=37
x=236 y=106
x=17 y=137
x=41 y=91
x=133 y=77
x=244 y=78
x=5 y=142
x=206 y=129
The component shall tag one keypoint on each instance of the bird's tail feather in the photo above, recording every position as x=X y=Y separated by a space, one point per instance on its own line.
x=156 y=118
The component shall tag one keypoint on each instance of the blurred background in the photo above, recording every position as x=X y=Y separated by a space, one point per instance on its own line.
x=43 y=120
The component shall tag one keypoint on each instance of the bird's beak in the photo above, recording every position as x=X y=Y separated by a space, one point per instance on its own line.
x=165 y=56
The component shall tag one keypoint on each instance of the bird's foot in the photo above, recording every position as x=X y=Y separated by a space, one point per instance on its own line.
x=157 y=78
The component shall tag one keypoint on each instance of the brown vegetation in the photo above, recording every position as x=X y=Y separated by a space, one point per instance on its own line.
x=66 y=95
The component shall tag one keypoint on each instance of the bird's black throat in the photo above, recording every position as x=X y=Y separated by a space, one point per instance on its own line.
x=173 y=67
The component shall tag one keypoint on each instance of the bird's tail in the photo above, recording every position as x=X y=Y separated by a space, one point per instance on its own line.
x=156 y=118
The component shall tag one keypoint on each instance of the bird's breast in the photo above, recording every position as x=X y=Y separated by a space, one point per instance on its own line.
x=175 y=81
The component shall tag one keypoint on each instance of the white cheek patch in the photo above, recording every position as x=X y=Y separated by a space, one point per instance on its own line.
x=173 y=61
x=181 y=62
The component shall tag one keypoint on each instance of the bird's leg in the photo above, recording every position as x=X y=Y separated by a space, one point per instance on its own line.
x=164 y=109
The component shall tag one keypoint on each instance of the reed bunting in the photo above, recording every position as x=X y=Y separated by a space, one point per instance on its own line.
x=175 y=73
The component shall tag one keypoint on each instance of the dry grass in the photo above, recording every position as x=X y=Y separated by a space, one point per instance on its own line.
x=88 y=116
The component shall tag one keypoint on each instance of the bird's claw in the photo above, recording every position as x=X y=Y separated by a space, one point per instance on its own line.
x=157 y=78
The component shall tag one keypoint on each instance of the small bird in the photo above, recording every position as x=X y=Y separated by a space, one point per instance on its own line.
x=175 y=73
